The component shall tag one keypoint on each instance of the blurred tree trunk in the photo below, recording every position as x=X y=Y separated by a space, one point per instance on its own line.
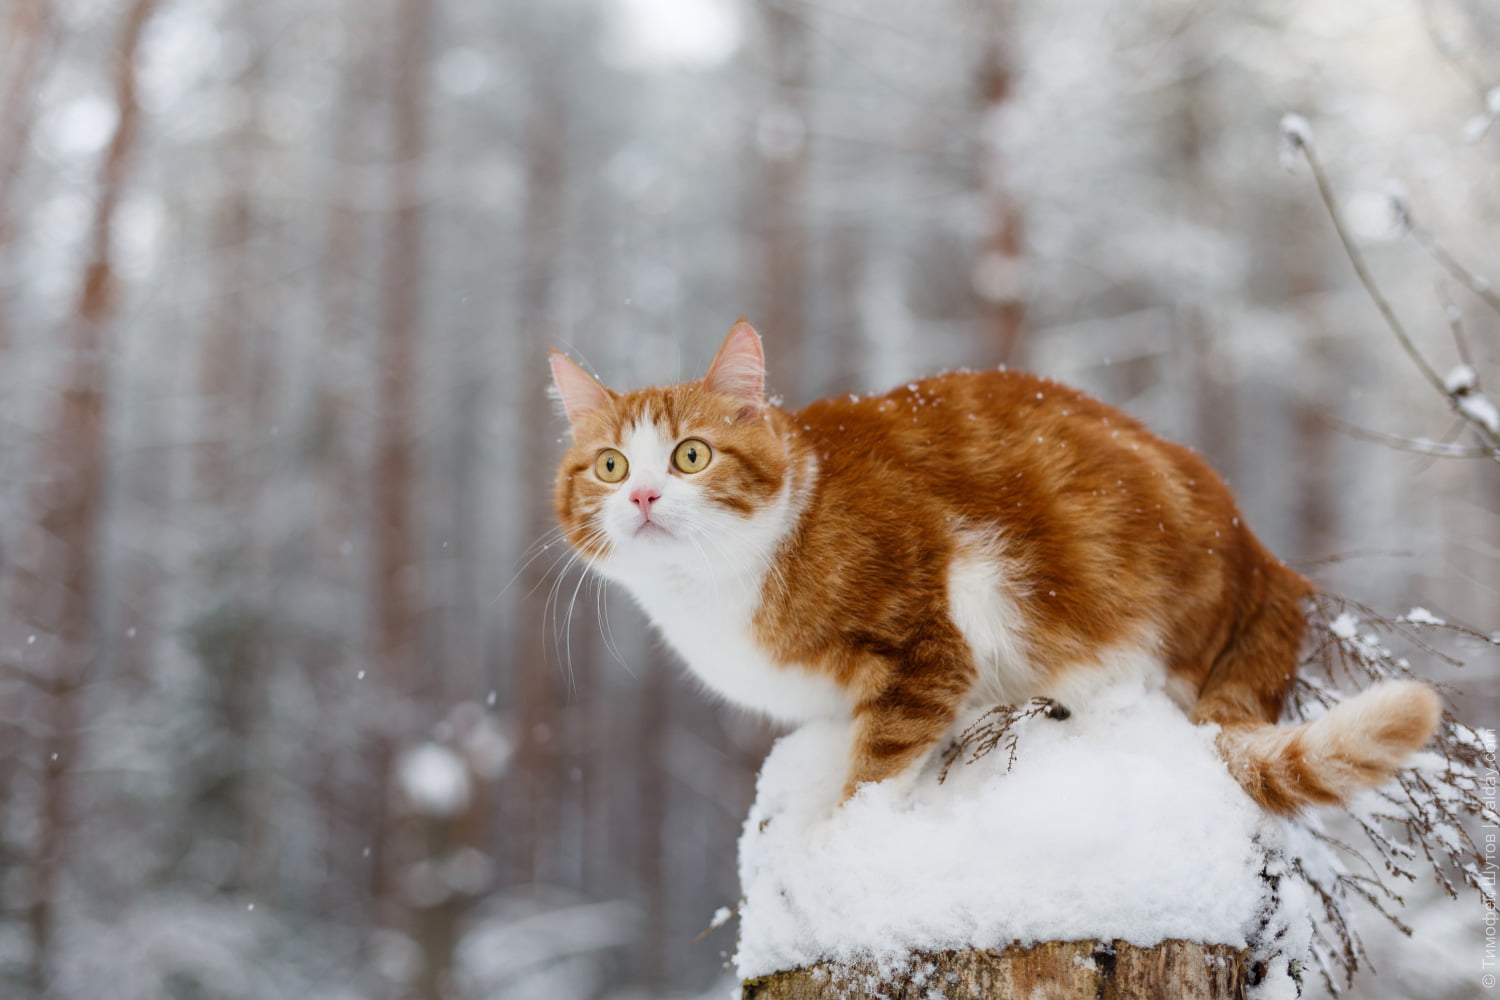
x=1317 y=451
x=401 y=589
x=29 y=38
x=451 y=872
x=55 y=588
x=999 y=273
x=1214 y=390
x=779 y=206
x=343 y=258
x=229 y=374
x=533 y=817
x=1314 y=392
x=1052 y=970
x=846 y=265
x=236 y=630
x=654 y=722
x=1209 y=361
x=398 y=571
x=354 y=810
x=1300 y=275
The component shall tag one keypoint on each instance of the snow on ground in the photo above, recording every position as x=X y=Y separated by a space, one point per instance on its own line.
x=1120 y=822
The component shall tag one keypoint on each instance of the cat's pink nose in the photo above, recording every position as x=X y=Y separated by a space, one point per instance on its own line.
x=644 y=498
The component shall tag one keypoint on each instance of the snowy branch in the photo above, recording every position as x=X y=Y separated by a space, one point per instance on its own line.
x=1461 y=387
x=1420 y=823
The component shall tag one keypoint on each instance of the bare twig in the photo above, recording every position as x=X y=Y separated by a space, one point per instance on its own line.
x=1420 y=446
x=1305 y=565
x=1449 y=51
x=1299 y=140
x=718 y=922
x=1422 y=821
x=1455 y=317
x=1462 y=393
x=1428 y=241
x=995 y=727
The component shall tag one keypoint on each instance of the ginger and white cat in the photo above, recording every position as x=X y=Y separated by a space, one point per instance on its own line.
x=965 y=540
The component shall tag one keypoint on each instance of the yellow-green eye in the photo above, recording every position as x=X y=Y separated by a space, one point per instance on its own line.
x=692 y=455
x=611 y=466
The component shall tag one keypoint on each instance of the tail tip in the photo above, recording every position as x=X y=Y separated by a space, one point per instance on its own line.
x=1358 y=744
x=1404 y=714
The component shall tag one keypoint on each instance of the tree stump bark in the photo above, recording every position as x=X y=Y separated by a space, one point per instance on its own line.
x=1052 y=970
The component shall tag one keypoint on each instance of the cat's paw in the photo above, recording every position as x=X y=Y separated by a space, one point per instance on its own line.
x=898 y=787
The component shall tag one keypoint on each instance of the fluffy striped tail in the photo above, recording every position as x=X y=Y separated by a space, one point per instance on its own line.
x=1358 y=744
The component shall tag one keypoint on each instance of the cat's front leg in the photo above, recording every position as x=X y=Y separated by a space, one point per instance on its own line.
x=899 y=723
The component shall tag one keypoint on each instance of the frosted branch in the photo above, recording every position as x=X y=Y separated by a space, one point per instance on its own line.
x=1421 y=822
x=1471 y=404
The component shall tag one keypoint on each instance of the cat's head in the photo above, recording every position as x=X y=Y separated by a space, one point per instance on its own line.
x=684 y=475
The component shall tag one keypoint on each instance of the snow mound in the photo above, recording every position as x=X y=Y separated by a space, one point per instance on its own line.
x=1119 y=822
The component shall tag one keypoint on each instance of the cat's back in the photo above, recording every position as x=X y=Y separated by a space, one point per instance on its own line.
x=1084 y=494
x=1098 y=531
x=974 y=429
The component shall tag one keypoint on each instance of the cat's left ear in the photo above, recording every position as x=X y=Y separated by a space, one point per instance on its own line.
x=579 y=392
x=739 y=369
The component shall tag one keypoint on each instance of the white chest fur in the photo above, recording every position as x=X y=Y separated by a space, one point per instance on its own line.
x=702 y=587
x=709 y=624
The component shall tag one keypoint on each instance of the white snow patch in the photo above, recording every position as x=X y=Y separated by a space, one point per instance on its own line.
x=1462 y=385
x=1345 y=626
x=1463 y=378
x=434 y=780
x=1296 y=128
x=1478 y=408
x=1296 y=134
x=1421 y=616
x=1118 y=822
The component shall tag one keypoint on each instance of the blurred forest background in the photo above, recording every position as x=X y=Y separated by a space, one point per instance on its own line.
x=295 y=701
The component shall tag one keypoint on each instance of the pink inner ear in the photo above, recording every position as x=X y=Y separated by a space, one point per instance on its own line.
x=739 y=369
x=579 y=392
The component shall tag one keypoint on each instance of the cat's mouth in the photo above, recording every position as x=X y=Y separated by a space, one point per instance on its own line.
x=649 y=529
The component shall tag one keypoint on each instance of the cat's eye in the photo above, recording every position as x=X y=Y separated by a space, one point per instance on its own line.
x=611 y=466
x=692 y=455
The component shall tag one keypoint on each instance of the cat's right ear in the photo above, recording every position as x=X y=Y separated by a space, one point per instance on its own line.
x=739 y=369
x=578 y=391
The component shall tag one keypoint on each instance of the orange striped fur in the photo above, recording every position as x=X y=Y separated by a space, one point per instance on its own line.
x=972 y=537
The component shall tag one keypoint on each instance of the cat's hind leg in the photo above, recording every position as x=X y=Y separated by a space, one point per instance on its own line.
x=1248 y=680
x=903 y=718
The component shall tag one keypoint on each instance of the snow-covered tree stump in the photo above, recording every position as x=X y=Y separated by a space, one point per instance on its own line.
x=1055 y=970
x=1106 y=854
